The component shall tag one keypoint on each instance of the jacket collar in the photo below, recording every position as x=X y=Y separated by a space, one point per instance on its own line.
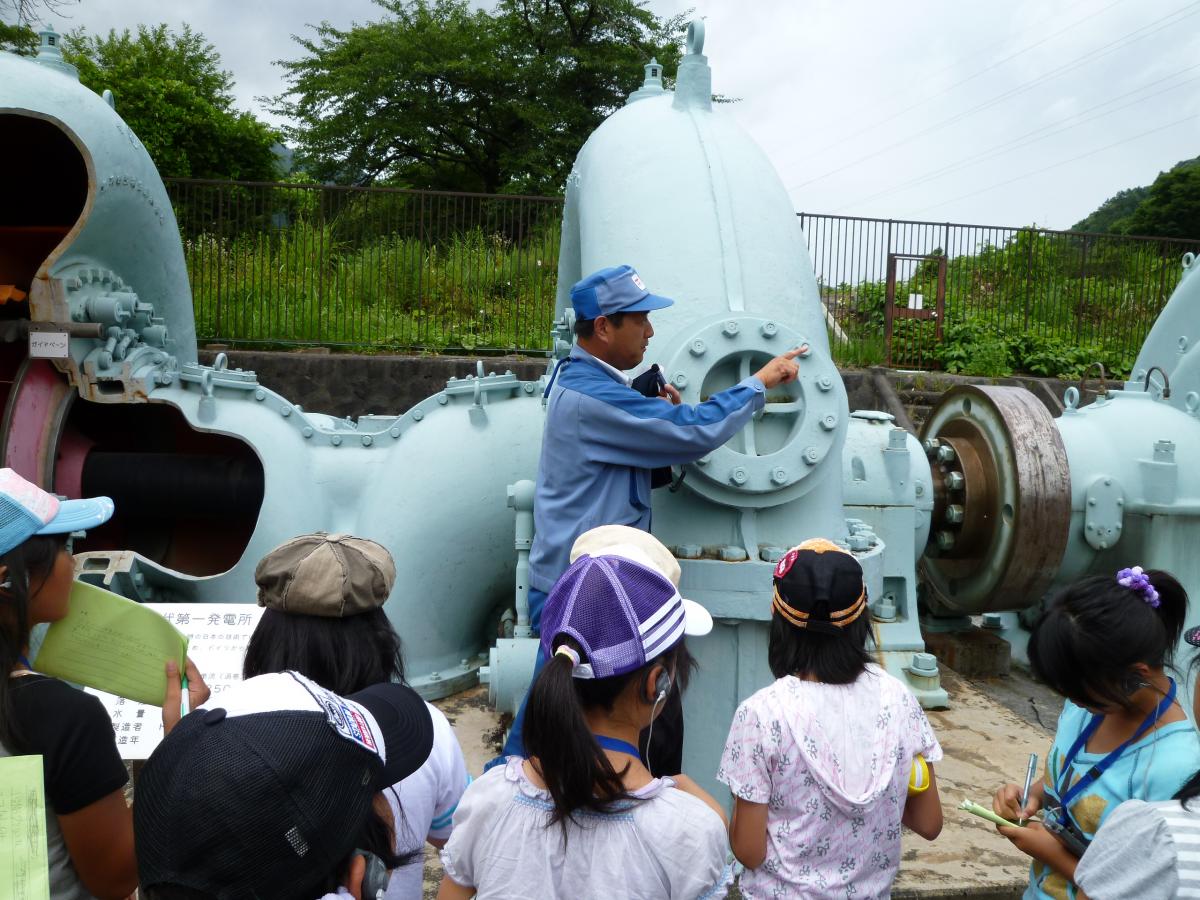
x=614 y=373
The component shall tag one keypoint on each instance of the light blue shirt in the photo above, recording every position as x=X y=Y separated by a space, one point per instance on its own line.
x=1153 y=768
x=602 y=438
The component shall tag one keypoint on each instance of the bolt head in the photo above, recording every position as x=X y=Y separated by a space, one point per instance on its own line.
x=779 y=475
x=336 y=440
x=738 y=475
x=946 y=454
x=825 y=383
x=812 y=455
x=769 y=329
x=954 y=513
x=443 y=399
x=955 y=481
x=829 y=422
x=697 y=347
x=394 y=431
x=931 y=446
x=307 y=431
x=945 y=540
x=730 y=328
x=418 y=415
x=367 y=440
x=679 y=380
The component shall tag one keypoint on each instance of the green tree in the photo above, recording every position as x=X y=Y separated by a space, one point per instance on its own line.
x=1172 y=206
x=19 y=39
x=170 y=89
x=440 y=95
x=1110 y=217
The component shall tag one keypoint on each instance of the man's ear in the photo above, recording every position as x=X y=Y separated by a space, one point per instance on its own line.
x=602 y=328
x=354 y=876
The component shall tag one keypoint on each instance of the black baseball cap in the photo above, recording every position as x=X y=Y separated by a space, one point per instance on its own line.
x=819 y=586
x=263 y=792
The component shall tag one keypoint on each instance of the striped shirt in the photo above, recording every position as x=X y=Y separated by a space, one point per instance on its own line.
x=1144 y=850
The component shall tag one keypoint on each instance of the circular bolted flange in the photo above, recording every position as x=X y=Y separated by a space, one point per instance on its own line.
x=792 y=420
x=1010 y=479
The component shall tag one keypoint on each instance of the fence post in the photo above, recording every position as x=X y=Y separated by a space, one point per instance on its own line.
x=1028 y=278
x=1082 y=283
x=220 y=258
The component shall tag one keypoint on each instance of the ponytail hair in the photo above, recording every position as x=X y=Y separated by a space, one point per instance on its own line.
x=1094 y=631
x=27 y=566
x=577 y=772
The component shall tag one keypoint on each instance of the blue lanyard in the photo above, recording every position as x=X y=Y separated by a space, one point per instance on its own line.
x=24 y=660
x=617 y=745
x=1097 y=770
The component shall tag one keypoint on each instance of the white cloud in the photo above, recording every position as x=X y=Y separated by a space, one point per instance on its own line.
x=824 y=83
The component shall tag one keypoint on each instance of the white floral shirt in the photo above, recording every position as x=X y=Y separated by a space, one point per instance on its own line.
x=832 y=764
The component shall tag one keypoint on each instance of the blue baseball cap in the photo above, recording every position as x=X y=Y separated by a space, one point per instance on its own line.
x=617 y=289
x=26 y=510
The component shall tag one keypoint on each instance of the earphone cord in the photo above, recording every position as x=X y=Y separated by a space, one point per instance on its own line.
x=650 y=735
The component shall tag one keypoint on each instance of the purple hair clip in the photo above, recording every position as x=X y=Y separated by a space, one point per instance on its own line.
x=1139 y=582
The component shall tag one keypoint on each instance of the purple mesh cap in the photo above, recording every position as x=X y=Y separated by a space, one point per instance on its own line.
x=622 y=613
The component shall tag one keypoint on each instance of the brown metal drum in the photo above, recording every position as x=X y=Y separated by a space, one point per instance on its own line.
x=1002 y=506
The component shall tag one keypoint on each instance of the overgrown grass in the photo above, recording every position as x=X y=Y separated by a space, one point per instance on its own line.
x=304 y=284
x=1040 y=303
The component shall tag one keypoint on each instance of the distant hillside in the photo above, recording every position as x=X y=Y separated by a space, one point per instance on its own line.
x=1170 y=207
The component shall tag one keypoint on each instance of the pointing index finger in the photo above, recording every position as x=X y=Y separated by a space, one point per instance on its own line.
x=796 y=351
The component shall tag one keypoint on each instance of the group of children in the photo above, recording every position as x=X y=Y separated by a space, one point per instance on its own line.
x=321 y=773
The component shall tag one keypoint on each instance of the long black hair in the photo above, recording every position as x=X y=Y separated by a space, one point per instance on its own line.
x=577 y=772
x=28 y=566
x=343 y=655
x=1086 y=643
x=829 y=658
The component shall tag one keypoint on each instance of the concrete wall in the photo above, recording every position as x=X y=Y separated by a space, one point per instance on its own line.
x=342 y=384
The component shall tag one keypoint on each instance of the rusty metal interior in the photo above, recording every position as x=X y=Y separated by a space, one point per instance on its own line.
x=185 y=499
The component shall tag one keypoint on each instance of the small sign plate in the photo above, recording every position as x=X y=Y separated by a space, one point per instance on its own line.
x=49 y=344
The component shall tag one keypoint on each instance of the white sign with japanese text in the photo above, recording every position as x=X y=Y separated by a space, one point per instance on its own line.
x=49 y=344
x=217 y=636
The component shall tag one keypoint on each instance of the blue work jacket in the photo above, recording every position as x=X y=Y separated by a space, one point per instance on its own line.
x=602 y=438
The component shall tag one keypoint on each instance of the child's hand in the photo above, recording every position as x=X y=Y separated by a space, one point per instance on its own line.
x=1035 y=841
x=198 y=693
x=1007 y=802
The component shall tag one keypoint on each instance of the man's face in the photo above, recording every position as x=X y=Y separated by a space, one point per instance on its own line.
x=625 y=343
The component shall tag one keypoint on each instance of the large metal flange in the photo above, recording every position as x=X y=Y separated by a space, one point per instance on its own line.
x=770 y=460
x=1002 y=500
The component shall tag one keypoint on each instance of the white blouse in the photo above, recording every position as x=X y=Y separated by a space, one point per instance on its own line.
x=665 y=844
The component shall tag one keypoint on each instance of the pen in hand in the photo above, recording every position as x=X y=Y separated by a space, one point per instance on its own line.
x=1029 y=773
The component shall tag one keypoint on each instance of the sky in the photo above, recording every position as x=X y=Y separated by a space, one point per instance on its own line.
x=943 y=110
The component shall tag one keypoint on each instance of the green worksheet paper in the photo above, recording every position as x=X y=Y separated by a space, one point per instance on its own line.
x=24 y=869
x=112 y=644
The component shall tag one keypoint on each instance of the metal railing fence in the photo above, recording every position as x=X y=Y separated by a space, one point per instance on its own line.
x=388 y=269
x=368 y=268
x=1031 y=291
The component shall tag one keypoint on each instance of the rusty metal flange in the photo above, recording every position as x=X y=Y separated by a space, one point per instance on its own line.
x=1002 y=500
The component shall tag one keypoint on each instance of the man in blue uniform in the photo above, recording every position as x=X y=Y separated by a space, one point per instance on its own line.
x=603 y=437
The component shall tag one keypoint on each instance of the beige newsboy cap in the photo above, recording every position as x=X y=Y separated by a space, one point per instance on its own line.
x=612 y=540
x=321 y=574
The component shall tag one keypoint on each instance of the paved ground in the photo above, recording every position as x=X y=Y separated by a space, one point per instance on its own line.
x=987 y=736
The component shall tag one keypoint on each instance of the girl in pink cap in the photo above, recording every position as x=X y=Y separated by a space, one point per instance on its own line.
x=89 y=826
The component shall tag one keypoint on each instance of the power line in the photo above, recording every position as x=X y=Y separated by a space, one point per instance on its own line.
x=1126 y=40
x=876 y=123
x=1032 y=137
x=1060 y=164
